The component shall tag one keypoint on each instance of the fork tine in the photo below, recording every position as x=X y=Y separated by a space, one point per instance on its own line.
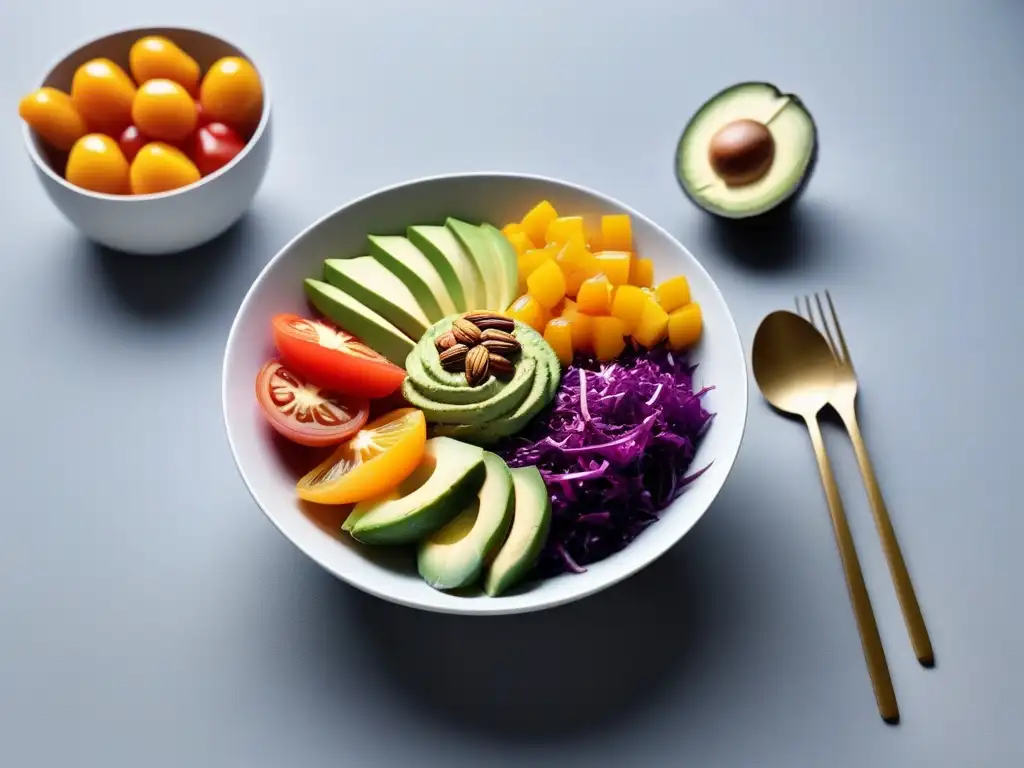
x=825 y=328
x=797 y=300
x=839 y=331
x=807 y=302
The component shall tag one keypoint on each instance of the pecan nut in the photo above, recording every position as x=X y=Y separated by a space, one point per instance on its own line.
x=477 y=366
x=500 y=342
x=501 y=367
x=490 y=320
x=445 y=341
x=465 y=332
x=453 y=358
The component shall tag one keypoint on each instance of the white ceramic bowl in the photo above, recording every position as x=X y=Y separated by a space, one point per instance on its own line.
x=497 y=198
x=170 y=221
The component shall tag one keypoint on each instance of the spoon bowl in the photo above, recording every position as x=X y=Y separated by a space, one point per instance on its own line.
x=793 y=365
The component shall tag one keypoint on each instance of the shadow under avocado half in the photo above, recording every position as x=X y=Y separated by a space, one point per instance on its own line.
x=748 y=150
x=781 y=240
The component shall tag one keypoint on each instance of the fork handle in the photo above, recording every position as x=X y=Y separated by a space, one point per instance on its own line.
x=890 y=545
x=874 y=654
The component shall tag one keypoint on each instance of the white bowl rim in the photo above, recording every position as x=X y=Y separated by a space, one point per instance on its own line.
x=40 y=163
x=494 y=606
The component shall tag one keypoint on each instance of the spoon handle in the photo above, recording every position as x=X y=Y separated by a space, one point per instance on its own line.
x=874 y=654
x=897 y=567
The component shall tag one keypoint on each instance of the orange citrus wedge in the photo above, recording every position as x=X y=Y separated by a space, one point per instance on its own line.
x=370 y=463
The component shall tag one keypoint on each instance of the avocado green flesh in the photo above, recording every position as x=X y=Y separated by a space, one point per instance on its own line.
x=444 y=483
x=531 y=523
x=453 y=263
x=478 y=245
x=358 y=319
x=508 y=264
x=546 y=379
x=414 y=269
x=795 y=138
x=454 y=555
x=493 y=431
x=508 y=397
x=368 y=281
x=494 y=409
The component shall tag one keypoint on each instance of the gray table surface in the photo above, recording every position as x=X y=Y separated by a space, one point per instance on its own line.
x=149 y=615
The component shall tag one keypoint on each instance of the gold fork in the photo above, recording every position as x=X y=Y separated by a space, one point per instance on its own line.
x=844 y=400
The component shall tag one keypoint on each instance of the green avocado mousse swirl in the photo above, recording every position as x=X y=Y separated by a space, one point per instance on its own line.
x=497 y=404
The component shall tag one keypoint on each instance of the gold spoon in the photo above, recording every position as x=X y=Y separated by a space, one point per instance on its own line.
x=796 y=372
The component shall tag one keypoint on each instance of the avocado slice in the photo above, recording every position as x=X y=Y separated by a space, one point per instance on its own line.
x=508 y=263
x=531 y=523
x=454 y=555
x=747 y=150
x=456 y=267
x=414 y=269
x=358 y=319
x=478 y=245
x=370 y=282
x=444 y=483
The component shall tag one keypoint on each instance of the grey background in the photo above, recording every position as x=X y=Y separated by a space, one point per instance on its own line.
x=149 y=615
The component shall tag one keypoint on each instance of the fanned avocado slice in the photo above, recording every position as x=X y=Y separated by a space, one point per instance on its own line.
x=747 y=150
x=531 y=523
x=447 y=479
x=358 y=319
x=454 y=556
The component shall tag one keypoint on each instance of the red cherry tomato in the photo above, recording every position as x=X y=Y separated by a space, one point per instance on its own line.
x=131 y=141
x=334 y=359
x=214 y=146
x=303 y=412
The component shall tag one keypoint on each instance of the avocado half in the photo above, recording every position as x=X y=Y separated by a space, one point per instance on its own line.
x=747 y=150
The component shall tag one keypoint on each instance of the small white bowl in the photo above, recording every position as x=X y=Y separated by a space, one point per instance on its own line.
x=497 y=198
x=167 y=222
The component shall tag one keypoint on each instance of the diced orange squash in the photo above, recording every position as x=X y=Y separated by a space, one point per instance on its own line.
x=565 y=228
x=537 y=219
x=685 y=326
x=616 y=232
x=547 y=284
x=525 y=309
x=615 y=264
x=582 y=326
x=594 y=242
x=641 y=273
x=558 y=333
x=577 y=264
x=595 y=295
x=673 y=293
x=609 y=338
x=520 y=241
x=530 y=260
x=628 y=303
x=511 y=228
x=652 y=327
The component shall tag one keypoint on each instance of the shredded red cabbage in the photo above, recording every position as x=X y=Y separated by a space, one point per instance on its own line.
x=614 y=448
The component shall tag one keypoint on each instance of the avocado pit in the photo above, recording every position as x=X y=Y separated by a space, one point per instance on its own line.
x=741 y=152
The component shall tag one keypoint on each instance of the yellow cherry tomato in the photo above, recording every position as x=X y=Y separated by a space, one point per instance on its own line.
x=157 y=58
x=96 y=163
x=159 y=167
x=231 y=92
x=103 y=93
x=51 y=114
x=164 y=110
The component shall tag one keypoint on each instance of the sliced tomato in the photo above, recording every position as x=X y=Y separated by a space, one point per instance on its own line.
x=334 y=359
x=305 y=413
x=374 y=461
